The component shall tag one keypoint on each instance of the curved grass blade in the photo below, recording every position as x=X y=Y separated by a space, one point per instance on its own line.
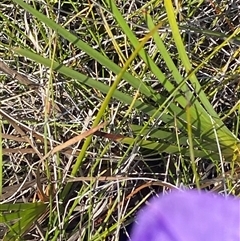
x=199 y=114
x=20 y=217
x=143 y=88
x=226 y=138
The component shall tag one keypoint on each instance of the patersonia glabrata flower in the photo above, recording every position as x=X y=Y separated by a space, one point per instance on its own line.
x=189 y=216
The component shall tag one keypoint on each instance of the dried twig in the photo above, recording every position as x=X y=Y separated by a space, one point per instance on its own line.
x=15 y=75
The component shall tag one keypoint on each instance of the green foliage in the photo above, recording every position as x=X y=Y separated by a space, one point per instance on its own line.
x=20 y=217
x=190 y=127
x=206 y=125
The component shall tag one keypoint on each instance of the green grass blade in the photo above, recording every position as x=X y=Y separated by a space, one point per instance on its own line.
x=87 y=49
x=22 y=215
x=226 y=138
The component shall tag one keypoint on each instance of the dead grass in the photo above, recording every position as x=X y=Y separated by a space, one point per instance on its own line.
x=37 y=118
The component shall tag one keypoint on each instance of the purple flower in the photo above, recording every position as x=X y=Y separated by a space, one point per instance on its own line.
x=189 y=216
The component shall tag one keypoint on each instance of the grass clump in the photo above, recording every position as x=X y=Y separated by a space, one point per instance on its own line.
x=104 y=104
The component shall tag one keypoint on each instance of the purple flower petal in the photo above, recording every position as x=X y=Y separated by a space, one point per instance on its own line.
x=189 y=216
